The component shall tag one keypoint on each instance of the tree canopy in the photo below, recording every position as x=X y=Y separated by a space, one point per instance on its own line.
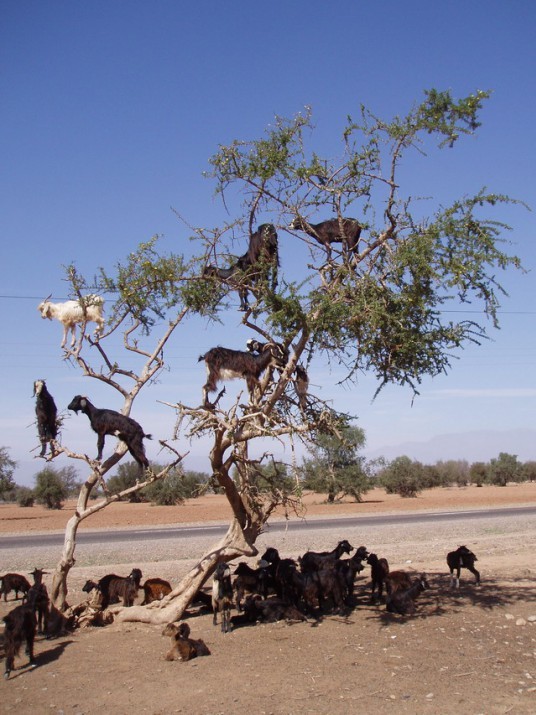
x=377 y=309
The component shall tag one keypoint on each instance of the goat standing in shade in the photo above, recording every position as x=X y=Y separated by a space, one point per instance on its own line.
x=461 y=558
x=222 y=596
x=261 y=256
x=334 y=230
x=74 y=312
x=105 y=422
x=47 y=416
x=226 y=364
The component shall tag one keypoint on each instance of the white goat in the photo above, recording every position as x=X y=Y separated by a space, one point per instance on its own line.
x=75 y=312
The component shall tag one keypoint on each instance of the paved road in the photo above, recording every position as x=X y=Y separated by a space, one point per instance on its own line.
x=187 y=532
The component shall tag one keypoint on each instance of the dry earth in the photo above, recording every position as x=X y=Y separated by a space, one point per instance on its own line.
x=472 y=651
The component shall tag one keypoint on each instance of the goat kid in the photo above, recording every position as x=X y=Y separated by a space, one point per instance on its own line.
x=46 y=413
x=222 y=596
x=104 y=421
x=155 y=589
x=182 y=646
x=379 y=571
x=115 y=588
x=75 y=312
x=461 y=558
x=14 y=582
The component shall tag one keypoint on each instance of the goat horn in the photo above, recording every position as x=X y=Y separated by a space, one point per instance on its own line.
x=48 y=298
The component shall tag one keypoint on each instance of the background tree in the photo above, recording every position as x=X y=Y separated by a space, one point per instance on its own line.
x=528 y=471
x=378 y=309
x=7 y=469
x=478 y=473
x=24 y=496
x=504 y=469
x=50 y=488
x=177 y=487
x=127 y=475
x=336 y=468
x=402 y=476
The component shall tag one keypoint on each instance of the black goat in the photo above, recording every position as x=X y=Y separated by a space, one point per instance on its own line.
x=37 y=596
x=315 y=560
x=261 y=257
x=155 y=589
x=403 y=600
x=379 y=571
x=334 y=230
x=14 y=582
x=301 y=379
x=19 y=626
x=270 y=610
x=461 y=558
x=280 y=572
x=182 y=646
x=250 y=580
x=47 y=416
x=222 y=596
x=114 y=588
x=105 y=422
x=226 y=364
x=347 y=569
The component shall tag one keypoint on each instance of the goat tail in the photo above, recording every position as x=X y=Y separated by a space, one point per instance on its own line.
x=147 y=436
x=200 y=358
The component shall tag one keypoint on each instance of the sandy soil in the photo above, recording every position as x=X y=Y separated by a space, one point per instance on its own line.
x=472 y=651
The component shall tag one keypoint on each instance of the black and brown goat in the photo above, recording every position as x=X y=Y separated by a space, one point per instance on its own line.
x=402 y=601
x=222 y=596
x=14 y=582
x=260 y=259
x=104 y=421
x=379 y=571
x=249 y=580
x=344 y=230
x=182 y=646
x=155 y=589
x=46 y=413
x=460 y=559
x=19 y=627
x=227 y=364
x=115 y=588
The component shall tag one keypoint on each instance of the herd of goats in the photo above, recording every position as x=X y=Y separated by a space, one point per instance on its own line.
x=318 y=583
x=279 y=588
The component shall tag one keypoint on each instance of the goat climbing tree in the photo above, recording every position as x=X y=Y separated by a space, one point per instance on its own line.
x=377 y=309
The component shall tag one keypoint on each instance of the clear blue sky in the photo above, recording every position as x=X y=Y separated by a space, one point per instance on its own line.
x=111 y=110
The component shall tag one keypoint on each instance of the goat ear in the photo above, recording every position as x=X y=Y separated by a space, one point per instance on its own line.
x=83 y=402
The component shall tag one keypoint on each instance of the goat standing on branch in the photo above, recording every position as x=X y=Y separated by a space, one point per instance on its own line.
x=74 y=312
x=227 y=364
x=105 y=422
x=46 y=413
x=262 y=256
x=334 y=230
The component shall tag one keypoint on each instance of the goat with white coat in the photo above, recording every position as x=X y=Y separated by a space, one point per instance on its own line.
x=75 y=312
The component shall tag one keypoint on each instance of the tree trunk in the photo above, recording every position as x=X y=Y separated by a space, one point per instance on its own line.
x=235 y=543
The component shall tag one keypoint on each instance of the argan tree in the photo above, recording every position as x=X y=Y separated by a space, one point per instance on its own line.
x=378 y=309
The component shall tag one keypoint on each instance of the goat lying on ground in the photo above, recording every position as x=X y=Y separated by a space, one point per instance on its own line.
x=222 y=596
x=397 y=581
x=261 y=257
x=461 y=558
x=105 y=422
x=115 y=588
x=379 y=570
x=270 y=610
x=345 y=231
x=14 y=582
x=226 y=364
x=19 y=627
x=403 y=600
x=182 y=646
x=155 y=589
x=47 y=414
x=74 y=312
x=314 y=560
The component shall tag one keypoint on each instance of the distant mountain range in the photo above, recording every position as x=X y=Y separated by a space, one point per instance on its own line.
x=477 y=446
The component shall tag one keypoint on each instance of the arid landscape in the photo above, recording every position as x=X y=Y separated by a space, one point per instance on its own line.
x=466 y=651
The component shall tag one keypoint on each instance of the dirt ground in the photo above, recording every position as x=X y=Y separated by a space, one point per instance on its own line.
x=470 y=652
